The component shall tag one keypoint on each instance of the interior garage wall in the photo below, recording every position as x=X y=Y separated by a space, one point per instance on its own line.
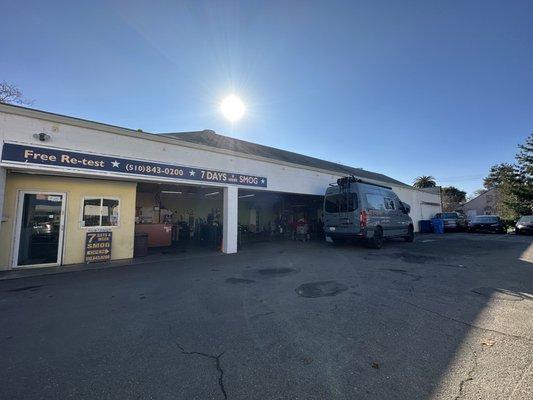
x=265 y=211
x=179 y=205
x=183 y=206
x=76 y=189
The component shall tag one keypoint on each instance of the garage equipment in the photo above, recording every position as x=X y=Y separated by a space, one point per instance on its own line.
x=302 y=230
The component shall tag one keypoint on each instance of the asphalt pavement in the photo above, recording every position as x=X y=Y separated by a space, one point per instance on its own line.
x=447 y=317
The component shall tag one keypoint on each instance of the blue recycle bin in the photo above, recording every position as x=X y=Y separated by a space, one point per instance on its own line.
x=438 y=226
x=425 y=226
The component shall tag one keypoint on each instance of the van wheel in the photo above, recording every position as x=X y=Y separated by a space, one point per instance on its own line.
x=376 y=241
x=410 y=238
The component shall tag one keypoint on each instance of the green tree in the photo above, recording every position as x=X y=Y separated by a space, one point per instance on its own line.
x=500 y=175
x=452 y=198
x=424 y=181
x=524 y=191
x=514 y=183
x=505 y=178
x=524 y=157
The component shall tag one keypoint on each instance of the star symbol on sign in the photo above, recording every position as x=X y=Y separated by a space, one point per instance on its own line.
x=115 y=163
x=191 y=172
x=262 y=181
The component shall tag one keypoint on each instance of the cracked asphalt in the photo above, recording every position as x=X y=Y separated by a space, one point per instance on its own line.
x=446 y=317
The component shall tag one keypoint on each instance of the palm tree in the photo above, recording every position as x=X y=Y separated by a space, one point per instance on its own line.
x=424 y=181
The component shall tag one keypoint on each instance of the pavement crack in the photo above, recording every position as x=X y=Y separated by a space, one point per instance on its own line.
x=467 y=323
x=468 y=377
x=214 y=357
x=256 y=316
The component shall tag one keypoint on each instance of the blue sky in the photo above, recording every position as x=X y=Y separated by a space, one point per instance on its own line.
x=406 y=88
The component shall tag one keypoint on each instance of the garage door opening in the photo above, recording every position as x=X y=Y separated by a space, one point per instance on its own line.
x=173 y=219
x=267 y=216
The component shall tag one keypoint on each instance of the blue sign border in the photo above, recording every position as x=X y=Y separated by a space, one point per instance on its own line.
x=48 y=156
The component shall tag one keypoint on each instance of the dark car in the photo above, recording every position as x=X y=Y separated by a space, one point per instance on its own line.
x=524 y=225
x=486 y=223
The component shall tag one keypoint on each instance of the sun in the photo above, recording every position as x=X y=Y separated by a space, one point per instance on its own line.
x=232 y=108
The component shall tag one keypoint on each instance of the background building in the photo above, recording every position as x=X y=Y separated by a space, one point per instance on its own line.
x=484 y=204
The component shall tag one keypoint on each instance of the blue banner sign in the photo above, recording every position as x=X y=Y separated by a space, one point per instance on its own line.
x=70 y=159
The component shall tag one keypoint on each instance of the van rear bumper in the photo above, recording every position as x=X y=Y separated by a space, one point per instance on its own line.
x=346 y=235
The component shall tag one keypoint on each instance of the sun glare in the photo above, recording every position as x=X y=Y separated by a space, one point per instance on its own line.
x=232 y=108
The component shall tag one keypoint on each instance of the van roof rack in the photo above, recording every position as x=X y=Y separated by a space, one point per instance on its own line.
x=345 y=181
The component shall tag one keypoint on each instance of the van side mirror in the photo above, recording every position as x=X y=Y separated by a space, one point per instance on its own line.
x=406 y=208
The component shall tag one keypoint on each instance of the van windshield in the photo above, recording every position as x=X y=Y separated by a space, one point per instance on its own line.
x=341 y=202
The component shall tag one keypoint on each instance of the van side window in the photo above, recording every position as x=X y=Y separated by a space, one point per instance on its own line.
x=389 y=204
x=375 y=201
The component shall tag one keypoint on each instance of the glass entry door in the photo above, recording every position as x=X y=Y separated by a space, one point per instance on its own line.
x=40 y=229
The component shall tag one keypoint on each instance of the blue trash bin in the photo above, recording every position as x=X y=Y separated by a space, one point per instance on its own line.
x=438 y=226
x=425 y=226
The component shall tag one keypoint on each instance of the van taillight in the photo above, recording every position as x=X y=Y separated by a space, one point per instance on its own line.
x=362 y=219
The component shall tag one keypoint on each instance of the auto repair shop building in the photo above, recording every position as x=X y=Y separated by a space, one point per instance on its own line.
x=65 y=182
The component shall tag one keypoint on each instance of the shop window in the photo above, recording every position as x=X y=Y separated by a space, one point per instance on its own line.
x=99 y=212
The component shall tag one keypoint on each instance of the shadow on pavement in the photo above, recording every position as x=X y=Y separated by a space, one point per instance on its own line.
x=445 y=317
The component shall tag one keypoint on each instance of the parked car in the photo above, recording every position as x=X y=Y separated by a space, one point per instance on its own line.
x=355 y=209
x=486 y=223
x=453 y=220
x=524 y=225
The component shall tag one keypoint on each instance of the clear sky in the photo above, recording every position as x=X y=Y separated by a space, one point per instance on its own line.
x=406 y=88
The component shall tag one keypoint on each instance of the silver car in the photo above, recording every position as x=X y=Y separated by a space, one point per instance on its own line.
x=355 y=209
x=453 y=220
x=524 y=225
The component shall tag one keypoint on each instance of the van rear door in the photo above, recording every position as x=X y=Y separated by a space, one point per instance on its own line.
x=340 y=213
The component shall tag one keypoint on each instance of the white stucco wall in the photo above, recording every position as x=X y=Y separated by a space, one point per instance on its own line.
x=19 y=125
x=282 y=178
x=424 y=205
